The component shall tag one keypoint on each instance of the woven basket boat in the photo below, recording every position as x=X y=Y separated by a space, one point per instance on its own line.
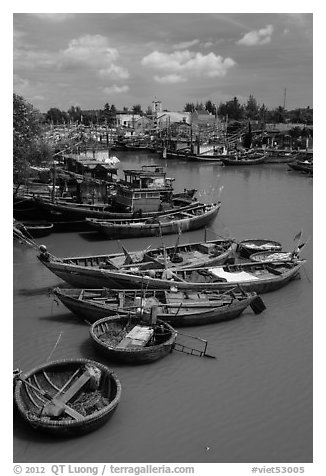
x=67 y=397
x=115 y=338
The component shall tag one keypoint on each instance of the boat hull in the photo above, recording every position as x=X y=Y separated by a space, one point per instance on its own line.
x=89 y=278
x=187 y=315
x=29 y=403
x=132 y=355
x=140 y=229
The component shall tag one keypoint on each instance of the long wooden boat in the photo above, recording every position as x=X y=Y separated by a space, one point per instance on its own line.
x=244 y=159
x=35 y=229
x=67 y=397
x=302 y=166
x=178 y=308
x=90 y=271
x=257 y=277
x=131 y=340
x=247 y=247
x=196 y=217
x=191 y=157
x=68 y=211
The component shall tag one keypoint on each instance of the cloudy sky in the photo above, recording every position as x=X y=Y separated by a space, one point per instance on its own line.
x=88 y=59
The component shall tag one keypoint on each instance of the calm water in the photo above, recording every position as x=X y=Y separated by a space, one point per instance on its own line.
x=251 y=404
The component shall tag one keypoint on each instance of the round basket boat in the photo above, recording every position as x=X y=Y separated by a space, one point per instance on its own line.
x=272 y=256
x=247 y=247
x=129 y=340
x=67 y=397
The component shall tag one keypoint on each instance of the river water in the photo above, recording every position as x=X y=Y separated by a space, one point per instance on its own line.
x=253 y=403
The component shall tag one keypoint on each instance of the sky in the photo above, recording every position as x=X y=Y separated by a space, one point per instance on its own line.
x=89 y=59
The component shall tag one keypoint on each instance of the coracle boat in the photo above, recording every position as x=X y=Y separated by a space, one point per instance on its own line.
x=67 y=397
x=90 y=271
x=198 y=216
x=131 y=340
x=251 y=276
x=247 y=247
x=178 y=308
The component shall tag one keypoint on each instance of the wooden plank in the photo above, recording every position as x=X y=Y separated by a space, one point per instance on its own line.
x=137 y=337
x=75 y=387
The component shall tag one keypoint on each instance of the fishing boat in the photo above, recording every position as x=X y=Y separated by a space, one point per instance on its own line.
x=90 y=271
x=67 y=397
x=305 y=166
x=35 y=229
x=197 y=216
x=244 y=159
x=178 y=308
x=131 y=340
x=251 y=276
x=192 y=157
x=248 y=247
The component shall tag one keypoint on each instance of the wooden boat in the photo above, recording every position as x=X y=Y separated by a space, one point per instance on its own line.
x=67 y=397
x=244 y=159
x=191 y=157
x=251 y=276
x=198 y=216
x=248 y=247
x=35 y=229
x=69 y=211
x=178 y=308
x=257 y=277
x=132 y=340
x=302 y=166
x=90 y=271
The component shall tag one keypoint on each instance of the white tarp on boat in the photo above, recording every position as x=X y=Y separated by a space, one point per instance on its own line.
x=234 y=276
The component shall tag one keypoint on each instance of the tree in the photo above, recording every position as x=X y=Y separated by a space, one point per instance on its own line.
x=251 y=108
x=29 y=147
x=210 y=107
x=189 y=107
x=136 y=109
x=231 y=109
x=56 y=116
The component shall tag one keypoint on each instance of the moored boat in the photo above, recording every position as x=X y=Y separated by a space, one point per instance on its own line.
x=90 y=271
x=244 y=159
x=67 y=397
x=252 y=277
x=131 y=340
x=198 y=216
x=35 y=229
x=256 y=277
x=248 y=247
x=176 y=307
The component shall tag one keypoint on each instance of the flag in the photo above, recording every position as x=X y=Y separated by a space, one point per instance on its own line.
x=297 y=236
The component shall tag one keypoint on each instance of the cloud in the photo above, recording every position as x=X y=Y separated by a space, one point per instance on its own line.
x=170 y=79
x=53 y=17
x=257 y=37
x=181 y=65
x=114 y=72
x=89 y=49
x=87 y=52
x=114 y=89
x=185 y=44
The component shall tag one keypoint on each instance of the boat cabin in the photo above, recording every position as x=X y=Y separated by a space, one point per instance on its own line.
x=145 y=189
